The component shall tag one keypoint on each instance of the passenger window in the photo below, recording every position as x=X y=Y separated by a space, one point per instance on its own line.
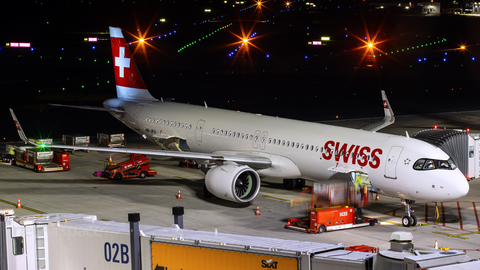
x=274 y=141
x=283 y=143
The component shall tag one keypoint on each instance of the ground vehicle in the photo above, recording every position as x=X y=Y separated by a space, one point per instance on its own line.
x=75 y=139
x=40 y=160
x=111 y=140
x=329 y=219
x=128 y=166
x=189 y=163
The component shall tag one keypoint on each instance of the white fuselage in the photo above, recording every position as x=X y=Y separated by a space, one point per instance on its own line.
x=300 y=149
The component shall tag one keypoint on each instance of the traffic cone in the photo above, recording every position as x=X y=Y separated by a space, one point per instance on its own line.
x=436 y=245
x=257 y=213
x=179 y=196
x=377 y=198
x=110 y=160
x=18 y=203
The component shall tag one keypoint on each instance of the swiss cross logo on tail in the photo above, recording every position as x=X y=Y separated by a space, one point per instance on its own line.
x=385 y=104
x=121 y=62
x=17 y=125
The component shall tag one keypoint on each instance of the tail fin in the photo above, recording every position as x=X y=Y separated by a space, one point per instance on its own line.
x=19 y=127
x=130 y=85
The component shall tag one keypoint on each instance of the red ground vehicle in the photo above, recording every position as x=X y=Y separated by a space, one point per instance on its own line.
x=128 y=166
x=329 y=219
x=40 y=160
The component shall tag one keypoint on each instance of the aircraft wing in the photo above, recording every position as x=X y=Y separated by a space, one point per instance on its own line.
x=105 y=109
x=256 y=162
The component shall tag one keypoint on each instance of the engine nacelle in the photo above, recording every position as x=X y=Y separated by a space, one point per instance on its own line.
x=237 y=183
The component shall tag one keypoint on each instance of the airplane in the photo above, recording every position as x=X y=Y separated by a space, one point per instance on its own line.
x=235 y=149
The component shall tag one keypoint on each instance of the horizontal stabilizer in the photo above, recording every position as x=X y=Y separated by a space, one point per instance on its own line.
x=105 y=109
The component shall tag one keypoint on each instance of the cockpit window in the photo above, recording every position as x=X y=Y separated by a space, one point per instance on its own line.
x=432 y=164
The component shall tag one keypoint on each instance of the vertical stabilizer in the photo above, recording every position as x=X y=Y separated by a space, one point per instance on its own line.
x=130 y=85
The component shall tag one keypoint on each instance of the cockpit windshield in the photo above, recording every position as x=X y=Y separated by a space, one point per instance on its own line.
x=432 y=164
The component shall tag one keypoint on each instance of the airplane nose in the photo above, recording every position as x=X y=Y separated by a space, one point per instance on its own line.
x=461 y=188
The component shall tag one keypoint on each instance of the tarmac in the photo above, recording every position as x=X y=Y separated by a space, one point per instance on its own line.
x=79 y=191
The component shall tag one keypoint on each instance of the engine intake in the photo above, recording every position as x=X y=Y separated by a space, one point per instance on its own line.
x=237 y=183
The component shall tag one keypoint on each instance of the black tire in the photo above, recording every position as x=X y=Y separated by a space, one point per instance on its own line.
x=14 y=163
x=407 y=221
x=180 y=164
x=35 y=169
x=322 y=229
x=414 y=220
x=300 y=183
x=207 y=193
x=289 y=184
x=118 y=176
x=143 y=174
x=372 y=222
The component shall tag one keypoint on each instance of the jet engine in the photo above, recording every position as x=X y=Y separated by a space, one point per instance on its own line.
x=237 y=183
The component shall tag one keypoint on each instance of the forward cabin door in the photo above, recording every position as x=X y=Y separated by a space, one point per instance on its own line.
x=199 y=130
x=392 y=161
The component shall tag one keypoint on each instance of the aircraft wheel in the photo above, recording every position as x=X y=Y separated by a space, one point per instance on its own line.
x=300 y=183
x=322 y=229
x=289 y=183
x=407 y=221
x=143 y=174
x=118 y=176
x=414 y=220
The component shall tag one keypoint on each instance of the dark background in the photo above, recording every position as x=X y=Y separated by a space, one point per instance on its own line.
x=281 y=75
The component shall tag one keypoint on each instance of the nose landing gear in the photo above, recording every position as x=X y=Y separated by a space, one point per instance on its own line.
x=409 y=219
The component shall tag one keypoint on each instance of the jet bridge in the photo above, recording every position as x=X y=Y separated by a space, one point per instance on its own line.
x=461 y=146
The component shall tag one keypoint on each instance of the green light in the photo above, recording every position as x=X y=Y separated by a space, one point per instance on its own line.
x=63 y=88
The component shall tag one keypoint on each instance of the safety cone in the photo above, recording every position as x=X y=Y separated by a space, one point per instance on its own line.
x=436 y=245
x=179 y=196
x=257 y=213
x=377 y=198
x=18 y=203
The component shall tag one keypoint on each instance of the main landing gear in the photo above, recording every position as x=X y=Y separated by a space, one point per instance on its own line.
x=293 y=183
x=409 y=219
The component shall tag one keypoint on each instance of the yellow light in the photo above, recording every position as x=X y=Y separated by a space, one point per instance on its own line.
x=463 y=47
x=245 y=40
x=370 y=45
x=141 y=40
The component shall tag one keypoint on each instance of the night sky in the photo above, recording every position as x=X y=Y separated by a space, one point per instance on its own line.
x=418 y=60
